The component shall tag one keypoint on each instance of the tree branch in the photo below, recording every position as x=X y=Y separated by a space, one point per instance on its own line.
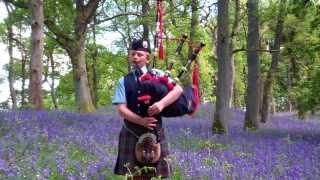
x=90 y=9
x=61 y=37
x=18 y=3
x=259 y=50
x=99 y=21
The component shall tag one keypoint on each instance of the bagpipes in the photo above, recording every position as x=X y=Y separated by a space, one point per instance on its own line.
x=153 y=88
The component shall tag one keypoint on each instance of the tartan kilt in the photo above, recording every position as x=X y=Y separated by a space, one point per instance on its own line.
x=126 y=160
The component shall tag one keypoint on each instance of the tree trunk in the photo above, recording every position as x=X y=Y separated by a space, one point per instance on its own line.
x=126 y=33
x=74 y=44
x=171 y=13
x=253 y=62
x=289 y=87
x=194 y=26
x=145 y=24
x=24 y=56
x=95 y=82
x=235 y=30
x=126 y=37
x=273 y=106
x=83 y=14
x=81 y=83
x=35 y=89
x=265 y=115
x=194 y=22
x=11 y=75
x=222 y=111
x=52 y=84
x=193 y=37
x=23 y=74
x=129 y=39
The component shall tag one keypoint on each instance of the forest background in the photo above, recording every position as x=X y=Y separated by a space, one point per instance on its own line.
x=261 y=56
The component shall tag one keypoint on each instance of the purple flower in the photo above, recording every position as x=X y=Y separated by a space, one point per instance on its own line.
x=84 y=146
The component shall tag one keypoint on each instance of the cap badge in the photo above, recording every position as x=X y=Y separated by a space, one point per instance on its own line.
x=145 y=44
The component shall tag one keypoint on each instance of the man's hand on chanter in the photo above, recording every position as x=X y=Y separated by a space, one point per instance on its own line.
x=155 y=109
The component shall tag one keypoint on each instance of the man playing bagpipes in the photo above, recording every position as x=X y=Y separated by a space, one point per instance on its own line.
x=142 y=98
x=142 y=133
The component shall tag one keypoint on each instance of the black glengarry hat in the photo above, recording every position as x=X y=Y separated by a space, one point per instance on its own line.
x=140 y=45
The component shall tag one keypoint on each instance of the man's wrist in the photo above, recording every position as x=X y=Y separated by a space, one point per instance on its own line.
x=139 y=120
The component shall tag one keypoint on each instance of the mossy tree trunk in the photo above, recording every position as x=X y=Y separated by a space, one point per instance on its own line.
x=222 y=111
x=253 y=78
x=267 y=92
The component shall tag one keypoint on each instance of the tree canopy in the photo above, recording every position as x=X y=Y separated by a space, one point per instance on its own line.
x=73 y=26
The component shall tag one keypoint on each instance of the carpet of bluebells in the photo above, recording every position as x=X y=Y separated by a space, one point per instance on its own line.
x=65 y=145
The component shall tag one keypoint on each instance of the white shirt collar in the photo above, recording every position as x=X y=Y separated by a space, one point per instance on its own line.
x=144 y=69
